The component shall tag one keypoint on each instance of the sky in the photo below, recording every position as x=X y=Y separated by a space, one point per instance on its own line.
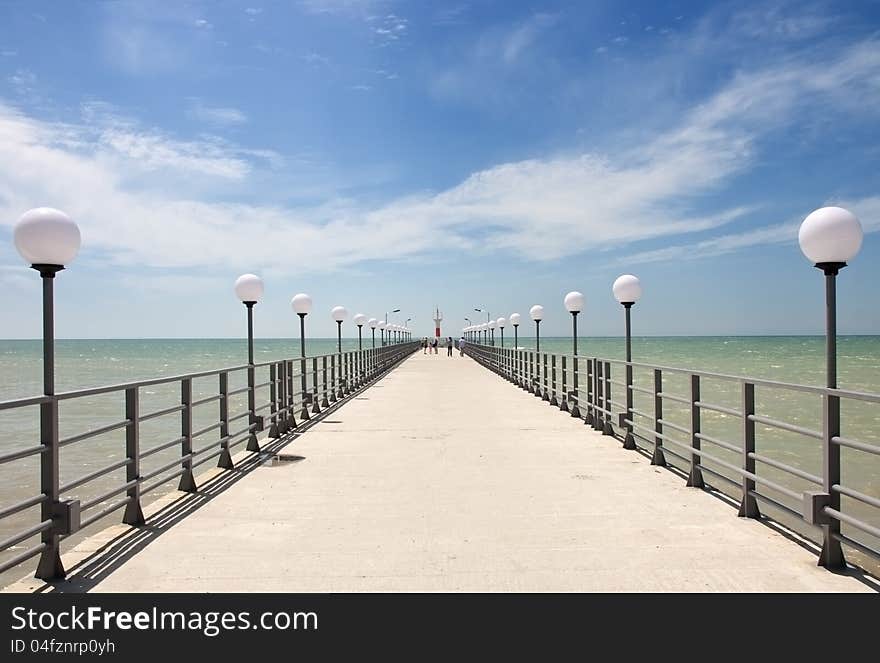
x=383 y=154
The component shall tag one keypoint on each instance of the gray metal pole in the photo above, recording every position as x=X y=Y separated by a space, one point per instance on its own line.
x=629 y=441
x=304 y=414
x=575 y=412
x=49 y=566
x=831 y=329
x=252 y=444
x=831 y=555
x=537 y=335
x=360 y=366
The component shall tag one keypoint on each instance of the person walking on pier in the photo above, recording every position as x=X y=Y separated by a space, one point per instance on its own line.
x=448 y=346
x=425 y=345
x=434 y=344
x=461 y=342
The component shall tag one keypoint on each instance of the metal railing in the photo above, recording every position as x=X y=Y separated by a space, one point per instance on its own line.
x=731 y=429
x=205 y=405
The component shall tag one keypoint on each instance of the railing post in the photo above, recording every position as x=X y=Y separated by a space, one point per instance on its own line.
x=574 y=397
x=563 y=401
x=324 y=401
x=225 y=460
x=187 y=481
x=607 y=429
x=598 y=415
x=254 y=423
x=291 y=395
x=529 y=386
x=333 y=378
x=284 y=412
x=304 y=388
x=748 y=508
x=695 y=478
x=133 y=514
x=273 y=400
x=629 y=442
x=658 y=457
x=553 y=400
x=590 y=416
x=313 y=394
x=544 y=381
x=343 y=376
x=831 y=556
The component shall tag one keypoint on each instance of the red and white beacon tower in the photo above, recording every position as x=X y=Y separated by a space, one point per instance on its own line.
x=437 y=320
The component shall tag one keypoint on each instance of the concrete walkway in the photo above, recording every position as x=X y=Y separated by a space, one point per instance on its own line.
x=443 y=477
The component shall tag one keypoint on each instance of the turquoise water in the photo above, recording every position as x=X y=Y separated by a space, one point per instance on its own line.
x=90 y=363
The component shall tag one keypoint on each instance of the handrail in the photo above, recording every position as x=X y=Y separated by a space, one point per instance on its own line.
x=295 y=386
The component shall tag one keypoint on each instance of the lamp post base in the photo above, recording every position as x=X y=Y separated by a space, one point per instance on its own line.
x=831 y=556
x=50 y=566
x=695 y=477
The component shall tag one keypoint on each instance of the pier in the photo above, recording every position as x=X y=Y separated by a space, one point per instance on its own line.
x=432 y=473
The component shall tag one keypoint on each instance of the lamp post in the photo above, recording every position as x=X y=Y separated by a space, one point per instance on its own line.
x=829 y=237
x=372 y=322
x=514 y=321
x=360 y=319
x=48 y=239
x=491 y=325
x=397 y=310
x=574 y=304
x=339 y=314
x=501 y=322
x=537 y=314
x=302 y=306
x=381 y=325
x=627 y=290
x=249 y=289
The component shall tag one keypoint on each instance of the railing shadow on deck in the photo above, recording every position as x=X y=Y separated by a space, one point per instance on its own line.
x=536 y=374
x=87 y=573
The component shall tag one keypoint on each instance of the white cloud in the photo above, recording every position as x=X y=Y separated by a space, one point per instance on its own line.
x=345 y=7
x=217 y=116
x=524 y=35
x=538 y=208
x=867 y=209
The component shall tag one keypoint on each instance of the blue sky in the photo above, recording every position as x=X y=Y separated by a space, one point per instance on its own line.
x=382 y=154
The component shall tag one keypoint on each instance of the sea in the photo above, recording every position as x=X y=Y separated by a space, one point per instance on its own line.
x=85 y=363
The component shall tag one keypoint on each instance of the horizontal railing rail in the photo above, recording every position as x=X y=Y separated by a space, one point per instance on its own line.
x=284 y=396
x=751 y=445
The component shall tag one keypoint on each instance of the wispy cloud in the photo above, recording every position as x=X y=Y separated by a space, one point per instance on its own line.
x=867 y=209
x=346 y=7
x=521 y=37
x=216 y=116
x=541 y=208
x=449 y=16
x=389 y=28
